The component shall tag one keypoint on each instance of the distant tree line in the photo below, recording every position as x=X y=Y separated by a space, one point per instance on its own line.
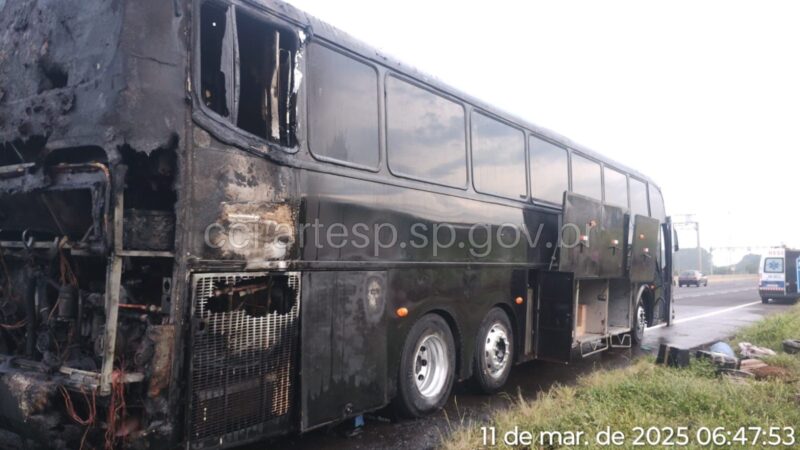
x=686 y=259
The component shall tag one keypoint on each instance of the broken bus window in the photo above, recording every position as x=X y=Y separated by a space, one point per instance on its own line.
x=247 y=72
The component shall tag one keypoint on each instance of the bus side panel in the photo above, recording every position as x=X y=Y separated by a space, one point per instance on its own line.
x=344 y=346
x=462 y=295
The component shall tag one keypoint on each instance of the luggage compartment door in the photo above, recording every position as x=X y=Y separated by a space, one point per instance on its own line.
x=581 y=236
x=612 y=238
x=644 y=250
x=555 y=317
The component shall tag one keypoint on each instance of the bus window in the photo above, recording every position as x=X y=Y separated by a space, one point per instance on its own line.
x=247 y=70
x=266 y=67
x=342 y=108
x=216 y=45
x=616 y=187
x=638 y=197
x=586 y=177
x=657 y=204
x=549 y=171
x=498 y=158
x=426 y=135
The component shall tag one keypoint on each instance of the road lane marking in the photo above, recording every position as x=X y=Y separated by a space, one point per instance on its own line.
x=703 y=316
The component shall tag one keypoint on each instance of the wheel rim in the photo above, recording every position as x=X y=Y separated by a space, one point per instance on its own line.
x=497 y=350
x=641 y=320
x=431 y=366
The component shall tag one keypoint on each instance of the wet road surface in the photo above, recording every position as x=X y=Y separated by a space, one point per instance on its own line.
x=702 y=316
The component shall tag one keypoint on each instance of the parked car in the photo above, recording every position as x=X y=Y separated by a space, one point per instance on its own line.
x=692 y=278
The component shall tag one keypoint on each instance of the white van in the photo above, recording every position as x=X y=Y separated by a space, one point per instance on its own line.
x=778 y=275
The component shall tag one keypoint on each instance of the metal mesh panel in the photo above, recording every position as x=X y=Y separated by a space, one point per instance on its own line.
x=242 y=366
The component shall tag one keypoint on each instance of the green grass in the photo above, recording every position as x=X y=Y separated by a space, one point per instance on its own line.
x=772 y=331
x=645 y=395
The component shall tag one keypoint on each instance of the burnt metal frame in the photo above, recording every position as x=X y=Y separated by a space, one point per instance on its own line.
x=76 y=177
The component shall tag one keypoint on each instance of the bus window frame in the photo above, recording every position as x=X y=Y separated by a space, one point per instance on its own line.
x=627 y=185
x=657 y=191
x=531 y=195
x=572 y=175
x=220 y=126
x=379 y=110
x=467 y=137
x=646 y=194
x=523 y=198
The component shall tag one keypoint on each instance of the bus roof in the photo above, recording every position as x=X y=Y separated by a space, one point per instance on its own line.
x=333 y=35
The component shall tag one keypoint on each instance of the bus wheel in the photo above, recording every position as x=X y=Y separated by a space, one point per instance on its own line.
x=765 y=300
x=427 y=367
x=639 y=324
x=494 y=351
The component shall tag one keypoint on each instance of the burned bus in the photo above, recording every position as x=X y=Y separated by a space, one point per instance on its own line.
x=223 y=221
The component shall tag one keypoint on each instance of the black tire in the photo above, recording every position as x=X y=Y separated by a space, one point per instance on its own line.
x=791 y=346
x=765 y=300
x=494 y=352
x=428 y=337
x=639 y=324
x=680 y=285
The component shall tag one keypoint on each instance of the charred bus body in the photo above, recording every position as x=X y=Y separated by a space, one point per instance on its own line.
x=225 y=221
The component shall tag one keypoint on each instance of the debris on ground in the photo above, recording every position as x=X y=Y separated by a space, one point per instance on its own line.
x=672 y=356
x=749 y=350
x=791 y=346
x=750 y=364
x=735 y=376
x=720 y=360
x=722 y=347
x=771 y=372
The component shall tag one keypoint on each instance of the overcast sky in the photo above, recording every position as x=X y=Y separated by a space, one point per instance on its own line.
x=702 y=96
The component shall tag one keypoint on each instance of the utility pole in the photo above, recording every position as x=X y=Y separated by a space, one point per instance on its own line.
x=699 y=249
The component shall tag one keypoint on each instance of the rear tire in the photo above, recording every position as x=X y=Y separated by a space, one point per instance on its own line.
x=494 y=352
x=639 y=325
x=427 y=368
x=765 y=300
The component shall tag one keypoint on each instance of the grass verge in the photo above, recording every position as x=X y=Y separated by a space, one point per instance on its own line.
x=645 y=395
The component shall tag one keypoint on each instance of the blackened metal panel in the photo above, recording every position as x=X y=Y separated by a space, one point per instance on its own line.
x=344 y=364
x=644 y=250
x=612 y=238
x=243 y=367
x=542 y=236
x=581 y=240
x=555 y=317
